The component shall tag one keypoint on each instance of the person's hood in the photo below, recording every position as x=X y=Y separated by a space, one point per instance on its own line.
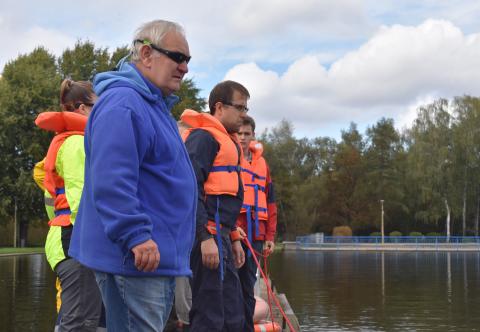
x=127 y=75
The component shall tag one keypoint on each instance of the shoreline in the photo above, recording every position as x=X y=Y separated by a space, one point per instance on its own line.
x=294 y=246
x=11 y=251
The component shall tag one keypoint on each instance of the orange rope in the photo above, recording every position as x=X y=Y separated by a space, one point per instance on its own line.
x=269 y=290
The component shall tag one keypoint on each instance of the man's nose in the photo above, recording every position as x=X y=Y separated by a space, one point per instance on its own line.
x=183 y=67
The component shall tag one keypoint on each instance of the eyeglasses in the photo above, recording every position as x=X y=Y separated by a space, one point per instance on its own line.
x=238 y=107
x=77 y=105
x=178 y=57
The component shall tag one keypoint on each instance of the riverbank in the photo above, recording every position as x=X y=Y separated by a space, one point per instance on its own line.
x=381 y=246
x=10 y=251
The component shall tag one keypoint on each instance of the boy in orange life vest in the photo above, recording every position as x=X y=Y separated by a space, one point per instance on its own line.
x=212 y=143
x=258 y=217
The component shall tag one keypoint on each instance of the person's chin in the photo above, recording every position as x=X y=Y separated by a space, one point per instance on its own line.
x=175 y=86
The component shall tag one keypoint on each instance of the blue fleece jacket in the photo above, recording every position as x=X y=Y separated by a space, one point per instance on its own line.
x=139 y=182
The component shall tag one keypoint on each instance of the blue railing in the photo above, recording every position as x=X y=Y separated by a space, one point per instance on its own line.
x=318 y=240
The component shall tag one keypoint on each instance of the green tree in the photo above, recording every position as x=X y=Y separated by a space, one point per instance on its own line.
x=383 y=178
x=430 y=164
x=190 y=98
x=84 y=61
x=117 y=55
x=29 y=85
x=466 y=142
x=347 y=204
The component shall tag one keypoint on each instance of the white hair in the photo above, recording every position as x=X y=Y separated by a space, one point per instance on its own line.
x=153 y=32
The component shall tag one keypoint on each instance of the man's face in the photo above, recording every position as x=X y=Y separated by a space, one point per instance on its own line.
x=230 y=116
x=165 y=73
x=245 y=136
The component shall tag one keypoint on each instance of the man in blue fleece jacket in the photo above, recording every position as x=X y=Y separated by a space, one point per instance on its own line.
x=135 y=224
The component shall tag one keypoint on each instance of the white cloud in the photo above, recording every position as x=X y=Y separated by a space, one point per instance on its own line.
x=319 y=63
x=219 y=32
x=398 y=67
x=18 y=41
x=308 y=16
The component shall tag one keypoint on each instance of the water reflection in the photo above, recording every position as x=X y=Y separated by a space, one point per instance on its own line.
x=332 y=291
x=376 y=291
x=27 y=291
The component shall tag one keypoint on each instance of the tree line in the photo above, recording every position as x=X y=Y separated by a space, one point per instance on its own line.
x=29 y=85
x=427 y=175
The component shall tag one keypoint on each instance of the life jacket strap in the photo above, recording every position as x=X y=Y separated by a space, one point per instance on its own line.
x=59 y=191
x=219 y=237
x=226 y=168
x=253 y=174
x=255 y=186
x=62 y=212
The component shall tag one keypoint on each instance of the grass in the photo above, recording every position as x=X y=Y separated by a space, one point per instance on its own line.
x=30 y=250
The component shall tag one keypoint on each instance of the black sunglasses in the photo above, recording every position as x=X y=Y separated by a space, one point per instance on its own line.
x=178 y=57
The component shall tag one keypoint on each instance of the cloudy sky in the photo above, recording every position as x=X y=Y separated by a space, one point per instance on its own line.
x=319 y=64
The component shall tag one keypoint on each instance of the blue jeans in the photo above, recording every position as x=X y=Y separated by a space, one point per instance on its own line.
x=136 y=304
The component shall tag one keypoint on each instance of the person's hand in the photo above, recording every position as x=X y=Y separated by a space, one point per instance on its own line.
x=147 y=256
x=269 y=246
x=210 y=256
x=238 y=254
x=242 y=233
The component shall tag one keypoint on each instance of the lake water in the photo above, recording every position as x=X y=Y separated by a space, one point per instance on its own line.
x=375 y=291
x=329 y=291
x=27 y=294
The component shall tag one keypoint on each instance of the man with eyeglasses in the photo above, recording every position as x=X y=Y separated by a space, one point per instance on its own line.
x=135 y=225
x=215 y=153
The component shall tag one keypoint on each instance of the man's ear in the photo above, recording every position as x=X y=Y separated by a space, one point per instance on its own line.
x=146 y=55
x=218 y=109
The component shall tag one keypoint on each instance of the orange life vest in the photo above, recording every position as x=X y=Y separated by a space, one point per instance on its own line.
x=254 y=178
x=223 y=177
x=64 y=124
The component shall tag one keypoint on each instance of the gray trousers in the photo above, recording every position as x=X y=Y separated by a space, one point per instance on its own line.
x=81 y=298
x=183 y=298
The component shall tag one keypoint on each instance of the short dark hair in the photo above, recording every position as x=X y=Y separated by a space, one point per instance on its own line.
x=248 y=121
x=223 y=92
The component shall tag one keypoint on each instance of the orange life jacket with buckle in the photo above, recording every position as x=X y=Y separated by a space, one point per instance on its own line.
x=64 y=124
x=223 y=176
x=254 y=178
